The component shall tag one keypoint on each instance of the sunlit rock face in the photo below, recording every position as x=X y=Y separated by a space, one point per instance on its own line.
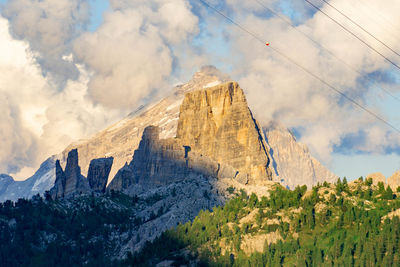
x=122 y=139
x=216 y=136
x=394 y=181
x=376 y=178
x=215 y=124
x=291 y=161
x=218 y=123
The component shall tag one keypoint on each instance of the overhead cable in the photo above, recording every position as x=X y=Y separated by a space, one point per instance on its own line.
x=255 y=36
x=290 y=23
x=353 y=34
x=362 y=28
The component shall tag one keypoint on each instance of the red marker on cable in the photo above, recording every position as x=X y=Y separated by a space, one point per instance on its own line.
x=267 y=43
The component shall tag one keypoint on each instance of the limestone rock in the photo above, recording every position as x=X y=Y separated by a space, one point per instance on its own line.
x=377 y=177
x=74 y=181
x=70 y=181
x=394 y=181
x=292 y=162
x=122 y=139
x=160 y=162
x=5 y=181
x=217 y=137
x=99 y=170
x=123 y=179
x=164 y=161
x=58 y=190
x=41 y=181
x=216 y=122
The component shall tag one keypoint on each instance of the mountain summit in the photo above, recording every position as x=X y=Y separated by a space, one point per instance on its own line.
x=209 y=109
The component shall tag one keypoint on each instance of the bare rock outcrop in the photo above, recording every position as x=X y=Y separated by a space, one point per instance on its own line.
x=394 y=181
x=217 y=136
x=292 y=161
x=216 y=122
x=161 y=162
x=5 y=181
x=70 y=181
x=74 y=181
x=58 y=190
x=122 y=139
x=123 y=179
x=99 y=169
x=377 y=177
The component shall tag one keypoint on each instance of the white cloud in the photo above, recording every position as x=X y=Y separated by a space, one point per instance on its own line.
x=277 y=89
x=141 y=44
x=39 y=120
x=130 y=54
x=104 y=74
x=49 y=26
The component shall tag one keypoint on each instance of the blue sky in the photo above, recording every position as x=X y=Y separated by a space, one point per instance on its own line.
x=98 y=8
x=216 y=42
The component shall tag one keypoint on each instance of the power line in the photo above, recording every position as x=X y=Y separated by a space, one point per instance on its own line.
x=376 y=12
x=324 y=48
x=301 y=67
x=361 y=40
x=359 y=26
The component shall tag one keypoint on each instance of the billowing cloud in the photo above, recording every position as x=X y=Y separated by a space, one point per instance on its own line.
x=104 y=74
x=130 y=55
x=289 y=94
x=38 y=119
x=49 y=26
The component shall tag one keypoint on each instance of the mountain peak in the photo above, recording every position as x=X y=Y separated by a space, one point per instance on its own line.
x=207 y=76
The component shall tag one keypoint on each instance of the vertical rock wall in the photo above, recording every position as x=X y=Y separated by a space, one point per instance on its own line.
x=217 y=123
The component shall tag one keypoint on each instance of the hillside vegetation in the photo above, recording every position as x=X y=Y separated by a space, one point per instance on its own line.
x=342 y=224
x=332 y=225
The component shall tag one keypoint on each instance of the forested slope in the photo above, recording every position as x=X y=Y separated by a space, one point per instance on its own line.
x=332 y=225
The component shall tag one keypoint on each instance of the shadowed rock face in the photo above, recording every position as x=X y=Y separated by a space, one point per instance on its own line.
x=155 y=162
x=123 y=179
x=158 y=161
x=59 y=186
x=75 y=182
x=5 y=181
x=99 y=170
x=70 y=181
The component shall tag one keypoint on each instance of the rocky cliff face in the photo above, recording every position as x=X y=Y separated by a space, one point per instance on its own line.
x=99 y=169
x=122 y=139
x=5 y=181
x=58 y=190
x=393 y=181
x=74 y=181
x=216 y=122
x=216 y=136
x=292 y=162
x=70 y=182
x=42 y=180
x=377 y=177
